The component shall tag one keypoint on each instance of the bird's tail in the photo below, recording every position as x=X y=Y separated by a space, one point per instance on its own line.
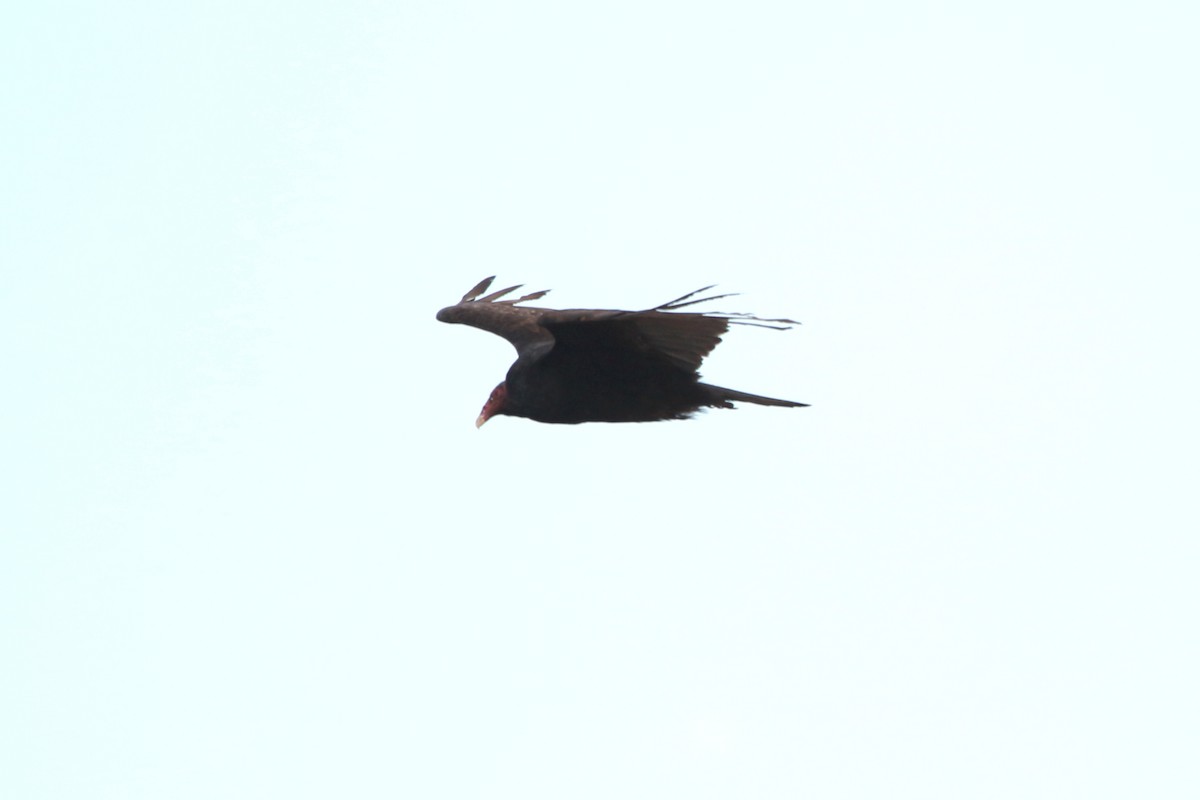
x=723 y=396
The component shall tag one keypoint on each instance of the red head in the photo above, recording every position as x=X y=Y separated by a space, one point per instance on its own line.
x=494 y=405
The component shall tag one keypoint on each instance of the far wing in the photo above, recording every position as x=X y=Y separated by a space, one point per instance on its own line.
x=521 y=326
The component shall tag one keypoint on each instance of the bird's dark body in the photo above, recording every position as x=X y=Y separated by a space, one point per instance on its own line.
x=593 y=374
x=584 y=365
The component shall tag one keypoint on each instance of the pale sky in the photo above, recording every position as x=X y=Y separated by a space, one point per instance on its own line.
x=252 y=546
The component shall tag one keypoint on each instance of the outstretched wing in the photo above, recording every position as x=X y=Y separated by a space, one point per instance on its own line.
x=521 y=326
x=682 y=338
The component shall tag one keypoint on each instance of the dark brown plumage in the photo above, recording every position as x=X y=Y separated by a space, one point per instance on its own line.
x=595 y=365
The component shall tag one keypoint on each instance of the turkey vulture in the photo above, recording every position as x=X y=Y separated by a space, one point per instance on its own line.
x=593 y=365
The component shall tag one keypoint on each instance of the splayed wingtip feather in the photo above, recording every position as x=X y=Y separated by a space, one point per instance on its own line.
x=478 y=289
x=497 y=295
x=530 y=296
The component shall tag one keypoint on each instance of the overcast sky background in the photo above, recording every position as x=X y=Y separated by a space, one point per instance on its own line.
x=252 y=545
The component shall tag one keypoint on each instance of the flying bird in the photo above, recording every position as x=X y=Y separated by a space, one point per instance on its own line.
x=596 y=365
